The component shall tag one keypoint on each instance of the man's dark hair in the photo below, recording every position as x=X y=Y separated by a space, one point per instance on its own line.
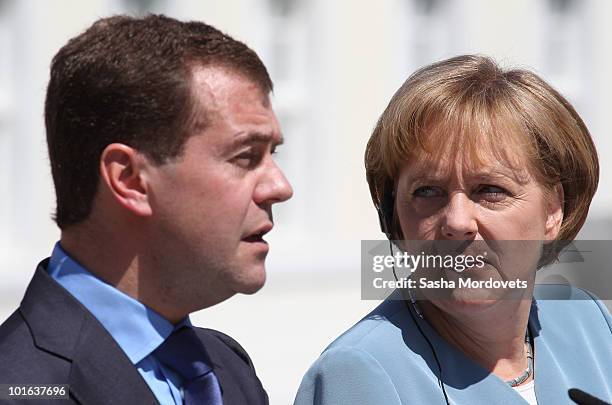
x=128 y=80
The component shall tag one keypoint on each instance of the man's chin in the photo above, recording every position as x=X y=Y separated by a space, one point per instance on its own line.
x=252 y=281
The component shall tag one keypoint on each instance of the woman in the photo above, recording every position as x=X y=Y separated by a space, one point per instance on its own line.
x=469 y=154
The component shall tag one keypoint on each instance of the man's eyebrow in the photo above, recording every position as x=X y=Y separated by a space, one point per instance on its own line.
x=243 y=138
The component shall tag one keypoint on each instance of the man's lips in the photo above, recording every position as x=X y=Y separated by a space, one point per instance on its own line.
x=254 y=238
x=257 y=235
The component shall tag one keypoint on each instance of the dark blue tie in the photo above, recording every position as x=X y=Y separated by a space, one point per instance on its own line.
x=184 y=353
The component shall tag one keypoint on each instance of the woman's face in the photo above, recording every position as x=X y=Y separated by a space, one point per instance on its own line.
x=474 y=208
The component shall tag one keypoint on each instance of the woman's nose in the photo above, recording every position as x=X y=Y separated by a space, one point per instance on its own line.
x=458 y=220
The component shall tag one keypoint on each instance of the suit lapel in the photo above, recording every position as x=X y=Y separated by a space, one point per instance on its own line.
x=100 y=373
x=238 y=382
x=52 y=314
x=232 y=392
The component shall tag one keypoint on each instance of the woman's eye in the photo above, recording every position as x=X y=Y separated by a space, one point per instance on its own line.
x=428 y=192
x=492 y=193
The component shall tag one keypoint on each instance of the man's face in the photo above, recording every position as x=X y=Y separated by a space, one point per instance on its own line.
x=212 y=205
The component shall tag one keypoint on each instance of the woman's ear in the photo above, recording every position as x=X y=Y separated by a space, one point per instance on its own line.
x=554 y=212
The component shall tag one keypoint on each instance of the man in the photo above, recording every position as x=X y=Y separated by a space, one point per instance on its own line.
x=160 y=137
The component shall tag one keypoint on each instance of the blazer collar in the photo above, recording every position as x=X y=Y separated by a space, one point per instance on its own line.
x=100 y=373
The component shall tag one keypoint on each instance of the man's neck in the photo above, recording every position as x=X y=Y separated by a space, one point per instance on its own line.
x=118 y=266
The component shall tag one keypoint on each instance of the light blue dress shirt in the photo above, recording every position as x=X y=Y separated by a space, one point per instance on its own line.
x=137 y=329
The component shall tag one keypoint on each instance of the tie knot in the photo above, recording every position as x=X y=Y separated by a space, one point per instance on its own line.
x=184 y=353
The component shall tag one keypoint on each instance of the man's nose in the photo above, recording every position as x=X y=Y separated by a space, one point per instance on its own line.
x=458 y=221
x=273 y=186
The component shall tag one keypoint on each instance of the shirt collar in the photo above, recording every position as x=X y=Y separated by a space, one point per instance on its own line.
x=135 y=327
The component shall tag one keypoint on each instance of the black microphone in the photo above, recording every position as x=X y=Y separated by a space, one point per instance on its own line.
x=582 y=398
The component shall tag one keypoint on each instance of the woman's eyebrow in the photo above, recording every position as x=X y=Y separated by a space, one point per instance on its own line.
x=433 y=174
x=428 y=172
x=501 y=173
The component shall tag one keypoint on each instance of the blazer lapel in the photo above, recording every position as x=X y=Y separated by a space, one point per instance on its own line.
x=100 y=372
x=231 y=391
x=238 y=382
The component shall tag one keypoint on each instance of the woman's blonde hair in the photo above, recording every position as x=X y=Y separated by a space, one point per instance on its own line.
x=469 y=103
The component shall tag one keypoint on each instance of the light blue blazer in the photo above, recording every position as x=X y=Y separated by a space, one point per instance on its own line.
x=384 y=360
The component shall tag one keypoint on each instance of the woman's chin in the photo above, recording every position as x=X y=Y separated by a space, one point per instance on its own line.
x=468 y=300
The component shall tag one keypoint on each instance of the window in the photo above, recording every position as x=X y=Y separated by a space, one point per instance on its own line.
x=429 y=36
x=6 y=105
x=563 y=39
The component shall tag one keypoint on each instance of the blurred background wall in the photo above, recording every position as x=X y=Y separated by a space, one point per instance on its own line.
x=335 y=65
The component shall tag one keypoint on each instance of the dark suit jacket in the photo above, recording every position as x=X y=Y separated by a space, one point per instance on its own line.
x=53 y=339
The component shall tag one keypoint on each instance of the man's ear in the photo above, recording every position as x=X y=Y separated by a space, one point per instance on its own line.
x=121 y=172
x=554 y=212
